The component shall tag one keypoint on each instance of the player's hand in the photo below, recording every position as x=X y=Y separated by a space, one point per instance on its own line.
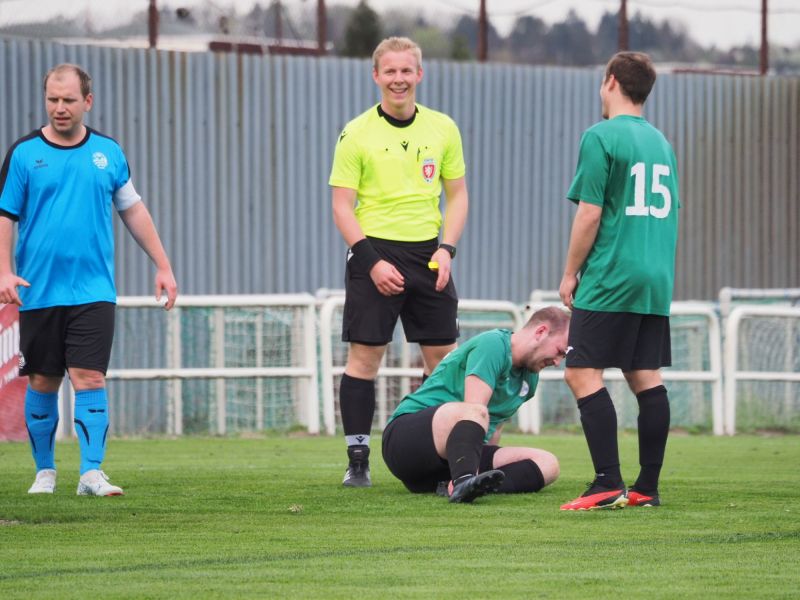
x=387 y=278
x=165 y=282
x=8 y=288
x=442 y=257
x=566 y=290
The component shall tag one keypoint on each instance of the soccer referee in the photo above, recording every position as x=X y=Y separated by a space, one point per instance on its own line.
x=389 y=168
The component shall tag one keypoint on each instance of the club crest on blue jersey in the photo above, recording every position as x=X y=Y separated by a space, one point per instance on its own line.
x=428 y=169
x=99 y=159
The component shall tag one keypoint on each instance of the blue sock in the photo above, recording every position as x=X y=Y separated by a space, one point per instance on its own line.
x=91 y=426
x=41 y=419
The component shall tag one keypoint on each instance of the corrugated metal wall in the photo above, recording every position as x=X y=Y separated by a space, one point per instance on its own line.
x=232 y=155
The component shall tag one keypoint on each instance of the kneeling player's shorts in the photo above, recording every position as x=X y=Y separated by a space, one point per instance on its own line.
x=410 y=454
x=628 y=341
x=61 y=337
x=429 y=317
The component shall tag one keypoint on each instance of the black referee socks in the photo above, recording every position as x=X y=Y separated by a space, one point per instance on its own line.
x=357 y=405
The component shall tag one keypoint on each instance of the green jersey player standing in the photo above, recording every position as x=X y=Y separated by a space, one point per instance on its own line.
x=618 y=279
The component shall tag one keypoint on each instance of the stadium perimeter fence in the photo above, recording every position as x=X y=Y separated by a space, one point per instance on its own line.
x=234 y=364
x=761 y=341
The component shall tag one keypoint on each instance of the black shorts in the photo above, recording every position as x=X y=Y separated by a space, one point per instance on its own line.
x=60 y=337
x=429 y=317
x=628 y=341
x=410 y=454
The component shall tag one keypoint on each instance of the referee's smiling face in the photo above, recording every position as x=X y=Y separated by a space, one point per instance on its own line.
x=397 y=76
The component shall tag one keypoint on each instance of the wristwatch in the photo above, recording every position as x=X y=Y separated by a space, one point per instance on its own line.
x=450 y=249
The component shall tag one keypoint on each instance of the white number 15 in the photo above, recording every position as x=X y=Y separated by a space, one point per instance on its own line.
x=640 y=208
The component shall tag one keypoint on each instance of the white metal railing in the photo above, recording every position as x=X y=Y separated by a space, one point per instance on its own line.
x=316 y=376
x=732 y=374
x=728 y=295
x=328 y=371
x=530 y=419
x=174 y=372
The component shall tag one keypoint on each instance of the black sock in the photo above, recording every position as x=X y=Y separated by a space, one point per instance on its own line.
x=653 y=431
x=463 y=448
x=357 y=405
x=523 y=476
x=599 y=420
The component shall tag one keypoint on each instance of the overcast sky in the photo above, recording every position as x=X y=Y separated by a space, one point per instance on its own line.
x=720 y=22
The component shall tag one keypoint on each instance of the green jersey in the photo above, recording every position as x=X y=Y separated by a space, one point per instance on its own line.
x=627 y=167
x=397 y=172
x=488 y=357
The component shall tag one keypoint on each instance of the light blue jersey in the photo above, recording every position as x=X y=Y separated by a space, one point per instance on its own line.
x=62 y=197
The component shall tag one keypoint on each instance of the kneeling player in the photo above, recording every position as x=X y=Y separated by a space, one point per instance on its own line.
x=448 y=429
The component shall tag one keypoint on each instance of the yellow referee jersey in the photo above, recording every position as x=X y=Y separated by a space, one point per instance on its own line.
x=397 y=172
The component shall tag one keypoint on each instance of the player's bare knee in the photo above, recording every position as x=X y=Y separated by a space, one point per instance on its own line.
x=476 y=412
x=84 y=379
x=44 y=384
x=548 y=464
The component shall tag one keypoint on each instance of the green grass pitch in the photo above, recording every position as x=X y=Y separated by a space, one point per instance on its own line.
x=268 y=518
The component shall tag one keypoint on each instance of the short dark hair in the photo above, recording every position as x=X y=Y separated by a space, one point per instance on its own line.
x=557 y=319
x=635 y=73
x=83 y=76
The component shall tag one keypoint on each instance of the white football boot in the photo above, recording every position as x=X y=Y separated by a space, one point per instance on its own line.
x=96 y=483
x=45 y=482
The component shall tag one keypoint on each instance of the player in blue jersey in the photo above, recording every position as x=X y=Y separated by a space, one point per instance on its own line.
x=59 y=183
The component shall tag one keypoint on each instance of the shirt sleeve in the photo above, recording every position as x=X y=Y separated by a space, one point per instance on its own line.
x=591 y=174
x=346 y=169
x=13 y=184
x=453 y=165
x=487 y=360
x=126 y=196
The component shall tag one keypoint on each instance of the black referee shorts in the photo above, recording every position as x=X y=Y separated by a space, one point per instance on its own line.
x=628 y=341
x=60 y=337
x=429 y=317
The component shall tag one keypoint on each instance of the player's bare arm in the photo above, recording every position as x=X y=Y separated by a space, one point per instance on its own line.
x=384 y=275
x=476 y=391
x=8 y=280
x=581 y=240
x=138 y=221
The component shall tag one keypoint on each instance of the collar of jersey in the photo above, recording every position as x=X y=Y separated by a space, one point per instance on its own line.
x=60 y=147
x=397 y=122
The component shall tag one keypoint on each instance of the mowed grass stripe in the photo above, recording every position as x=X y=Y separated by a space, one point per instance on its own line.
x=228 y=517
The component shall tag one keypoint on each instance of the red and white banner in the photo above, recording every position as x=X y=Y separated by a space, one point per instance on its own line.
x=12 y=387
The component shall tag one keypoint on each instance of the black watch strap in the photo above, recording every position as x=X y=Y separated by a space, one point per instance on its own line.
x=450 y=249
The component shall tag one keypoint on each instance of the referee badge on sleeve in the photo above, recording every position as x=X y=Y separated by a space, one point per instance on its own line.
x=428 y=169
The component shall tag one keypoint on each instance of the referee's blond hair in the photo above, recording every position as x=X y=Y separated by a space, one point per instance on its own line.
x=396 y=44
